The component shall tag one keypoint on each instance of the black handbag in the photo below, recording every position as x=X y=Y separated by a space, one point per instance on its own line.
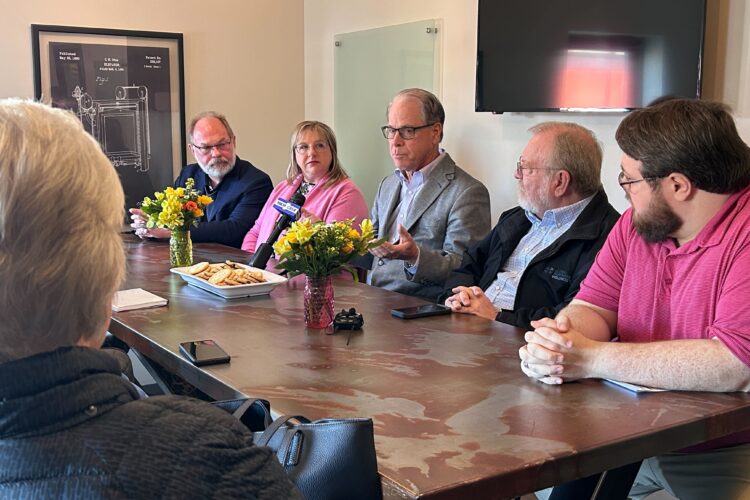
x=326 y=459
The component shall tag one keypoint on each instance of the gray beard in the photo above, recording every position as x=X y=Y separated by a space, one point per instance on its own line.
x=528 y=206
x=217 y=168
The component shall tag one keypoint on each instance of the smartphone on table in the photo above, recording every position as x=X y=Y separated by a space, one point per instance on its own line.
x=420 y=311
x=204 y=352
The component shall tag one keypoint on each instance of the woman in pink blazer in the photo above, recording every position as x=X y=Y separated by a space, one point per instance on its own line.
x=315 y=170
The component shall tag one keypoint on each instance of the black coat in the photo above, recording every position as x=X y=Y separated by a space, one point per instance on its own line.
x=72 y=427
x=553 y=277
x=238 y=200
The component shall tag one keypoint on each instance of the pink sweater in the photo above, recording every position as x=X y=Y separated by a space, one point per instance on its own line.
x=341 y=201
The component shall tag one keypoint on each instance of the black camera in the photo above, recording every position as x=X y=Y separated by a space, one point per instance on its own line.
x=348 y=320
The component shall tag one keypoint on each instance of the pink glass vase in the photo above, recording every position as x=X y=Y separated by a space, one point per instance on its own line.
x=318 y=302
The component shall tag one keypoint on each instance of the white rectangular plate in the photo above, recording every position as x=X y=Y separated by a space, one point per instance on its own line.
x=233 y=291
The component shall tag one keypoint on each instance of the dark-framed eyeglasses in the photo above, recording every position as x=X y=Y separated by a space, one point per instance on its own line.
x=625 y=182
x=303 y=148
x=221 y=146
x=406 y=133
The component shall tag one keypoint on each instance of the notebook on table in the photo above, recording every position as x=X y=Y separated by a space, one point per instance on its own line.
x=136 y=298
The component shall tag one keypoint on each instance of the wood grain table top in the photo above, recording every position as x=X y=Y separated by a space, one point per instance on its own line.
x=454 y=415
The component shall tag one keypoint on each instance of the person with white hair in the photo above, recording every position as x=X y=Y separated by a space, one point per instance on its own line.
x=532 y=263
x=70 y=424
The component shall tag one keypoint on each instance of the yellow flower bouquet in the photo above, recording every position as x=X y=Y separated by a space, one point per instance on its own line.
x=176 y=208
x=318 y=249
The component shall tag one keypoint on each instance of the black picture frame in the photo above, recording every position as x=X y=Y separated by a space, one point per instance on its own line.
x=127 y=88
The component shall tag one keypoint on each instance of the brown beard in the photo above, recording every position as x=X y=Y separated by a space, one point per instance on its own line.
x=658 y=222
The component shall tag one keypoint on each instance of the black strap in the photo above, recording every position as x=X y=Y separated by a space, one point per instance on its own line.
x=239 y=412
x=271 y=430
x=284 y=453
x=248 y=405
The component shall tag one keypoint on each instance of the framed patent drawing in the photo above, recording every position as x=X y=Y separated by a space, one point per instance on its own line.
x=127 y=88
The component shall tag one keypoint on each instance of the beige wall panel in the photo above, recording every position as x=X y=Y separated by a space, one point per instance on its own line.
x=242 y=57
x=488 y=145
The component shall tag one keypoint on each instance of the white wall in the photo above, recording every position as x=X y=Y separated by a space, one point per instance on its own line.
x=488 y=145
x=242 y=57
x=269 y=63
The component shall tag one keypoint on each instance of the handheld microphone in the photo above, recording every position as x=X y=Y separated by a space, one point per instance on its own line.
x=289 y=210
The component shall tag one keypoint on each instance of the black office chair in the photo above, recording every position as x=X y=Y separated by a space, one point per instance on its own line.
x=613 y=484
x=362 y=266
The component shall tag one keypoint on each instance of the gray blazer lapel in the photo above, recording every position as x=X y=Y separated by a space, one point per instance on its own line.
x=392 y=189
x=440 y=178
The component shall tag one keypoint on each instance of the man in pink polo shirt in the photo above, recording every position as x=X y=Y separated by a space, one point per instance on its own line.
x=670 y=284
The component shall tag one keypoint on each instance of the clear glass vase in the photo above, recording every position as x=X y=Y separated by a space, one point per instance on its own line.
x=318 y=302
x=180 y=248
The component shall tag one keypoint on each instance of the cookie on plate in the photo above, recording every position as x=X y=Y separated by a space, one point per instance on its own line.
x=220 y=276
x=197 y=268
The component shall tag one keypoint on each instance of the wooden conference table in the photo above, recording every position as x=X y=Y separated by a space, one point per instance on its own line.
x=454 y=416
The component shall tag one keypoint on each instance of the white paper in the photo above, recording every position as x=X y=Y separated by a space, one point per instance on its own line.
x=634 y=387
x=136 y=298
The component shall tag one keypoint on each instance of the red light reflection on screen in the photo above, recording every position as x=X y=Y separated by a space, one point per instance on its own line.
x=594 y=79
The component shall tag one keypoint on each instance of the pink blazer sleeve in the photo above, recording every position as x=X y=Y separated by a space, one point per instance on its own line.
x=251 y=238
x=348 y=202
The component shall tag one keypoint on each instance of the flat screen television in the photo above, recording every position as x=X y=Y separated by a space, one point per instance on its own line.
x=587 y=55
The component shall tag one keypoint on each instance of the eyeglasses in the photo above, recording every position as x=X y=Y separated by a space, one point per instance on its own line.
x=222 y=146
x=303 y=148
x=520 y=167
x=405 y=132
x=625 y=182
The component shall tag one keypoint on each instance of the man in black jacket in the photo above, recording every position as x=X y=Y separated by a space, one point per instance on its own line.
x=239 y=189
x=532 y=263
x=71 y=426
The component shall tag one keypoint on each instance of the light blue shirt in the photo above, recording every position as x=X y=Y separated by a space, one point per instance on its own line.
x=409 y=190
x=545 y=231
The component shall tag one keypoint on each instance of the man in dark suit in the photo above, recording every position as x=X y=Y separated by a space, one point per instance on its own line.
x=239 y=190
x=532 y=263
x=429 y=210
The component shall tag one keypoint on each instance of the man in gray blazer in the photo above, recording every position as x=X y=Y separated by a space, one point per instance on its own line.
x=429 y=210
